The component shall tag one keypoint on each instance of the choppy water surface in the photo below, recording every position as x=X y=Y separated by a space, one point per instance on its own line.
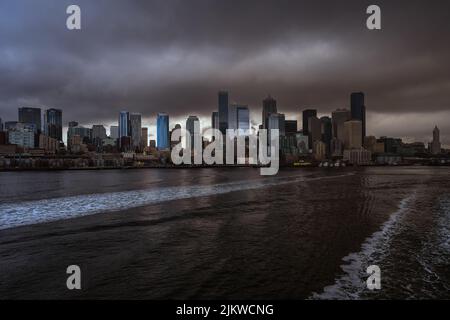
x=211 y=233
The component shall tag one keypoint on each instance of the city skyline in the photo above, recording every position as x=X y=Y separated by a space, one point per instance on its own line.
x=205 y=123
x=308 y=59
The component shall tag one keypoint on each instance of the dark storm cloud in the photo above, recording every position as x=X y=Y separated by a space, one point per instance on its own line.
x=173 y=56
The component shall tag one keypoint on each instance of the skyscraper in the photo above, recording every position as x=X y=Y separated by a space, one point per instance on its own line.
x=291 y=126
x=124 y=124
x=1 y=125
x=223 y=111
x=53 y=124
x=352 y=135
x=436 y=143
x=190 y=126
x=308 y=113
x=144 y=138
x=215 y=120
x=135 y=129
x=98 y=132
x=162 y=131
x=243 y=119
x=31 y=116
x=358 y=110
x=327 y=133
x=338 y=118
x=269 y=106
x=114 y=132
x=314 y=130
x=277 y=121
x=232 y=116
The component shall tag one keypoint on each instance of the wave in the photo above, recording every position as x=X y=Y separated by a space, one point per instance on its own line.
x=40 y=211
x=351 y=284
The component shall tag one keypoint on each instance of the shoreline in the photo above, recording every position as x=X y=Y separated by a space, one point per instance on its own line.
x=206 y=167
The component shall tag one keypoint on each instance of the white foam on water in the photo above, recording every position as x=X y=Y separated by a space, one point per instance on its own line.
x=352 y=283
x=40 y=211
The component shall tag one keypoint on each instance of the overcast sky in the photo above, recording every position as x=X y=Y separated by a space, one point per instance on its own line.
x=173 y=56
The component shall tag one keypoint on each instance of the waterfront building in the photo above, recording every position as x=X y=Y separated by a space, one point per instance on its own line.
x=327 y=133
x=336 y=148
x=32 y=116
x=315 y=130
x=269 y=107
x=338 y=118
x=98 y=132
x=436 y=143
x=352 y=134
x=319 y=150
x=3 y=138
x=135 y=130
x=144 y=138
x=277 y=121
x=22 y=135
x=124 y=124
x=48 y=144
x=358 y=110
x=85 y=134
x=243 y=120
x=223 y=111
x=391 y=145
x=114 y=132
x=308 y=113
x=191 y=128
x=291 y=127
x=162 y=131
x=232 y=116
x=53 y=124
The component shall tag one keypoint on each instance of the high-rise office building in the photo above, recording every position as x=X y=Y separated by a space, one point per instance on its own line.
x=98 y=132
x=84 y=134
x=232 y=116
x=353 y=136
x=215 y=120
x=114 y=132
x=269 y=106
x=162 y=131
x=53 y=124
x=436 y=143
x=190 y=126
x=338 y=118
x=243 y=119
x=144 y=138
x=308 y=113
x=124 y=124
x=23 y=135
x=327 y=133
x=291 y=127
x=358 y=110
x=10 y=125
x=314 y=130
x=135 y=129
x=32 y=116
x=223 y=111
x=1 y=125
x=277 y=121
